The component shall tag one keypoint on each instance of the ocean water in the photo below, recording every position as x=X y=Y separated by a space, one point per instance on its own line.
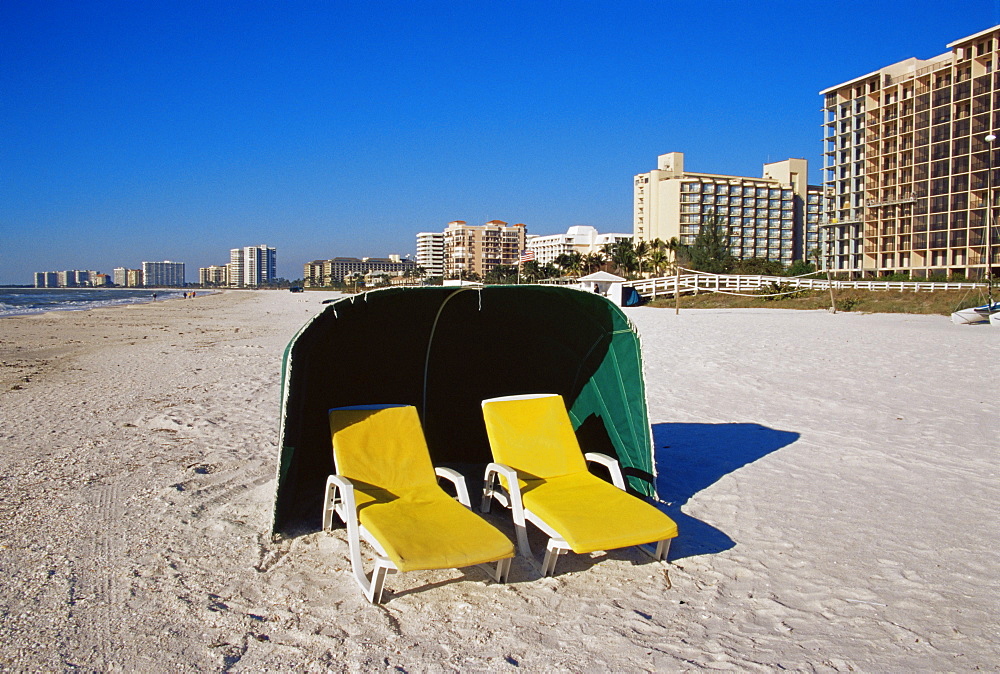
x=19 y=301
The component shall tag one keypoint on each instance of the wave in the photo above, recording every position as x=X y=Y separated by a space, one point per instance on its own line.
x=34 y=301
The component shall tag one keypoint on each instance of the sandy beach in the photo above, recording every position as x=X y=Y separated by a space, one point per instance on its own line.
x=834 y=478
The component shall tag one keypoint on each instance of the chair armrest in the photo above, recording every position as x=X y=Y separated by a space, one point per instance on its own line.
x=340 y=499
x=512 y=500
x=611 y=464
x=456 y=479
x=495 y=470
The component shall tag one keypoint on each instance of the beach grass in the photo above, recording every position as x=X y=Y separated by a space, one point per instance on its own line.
x=941 y=302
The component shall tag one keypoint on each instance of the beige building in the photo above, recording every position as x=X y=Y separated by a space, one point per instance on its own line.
x=215 y=275
x=581 y=239
x=906 y=164
x=470 y=249
x=319 y=273
x=128 y=278
x=775 y=217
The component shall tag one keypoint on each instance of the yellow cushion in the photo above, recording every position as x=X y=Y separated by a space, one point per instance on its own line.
x=533 y=435
x=382 y=447
x=591 y=514
x=383 y=452
x=427 y=529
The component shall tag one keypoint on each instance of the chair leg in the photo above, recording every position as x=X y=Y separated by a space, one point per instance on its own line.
x=330 y=503
x=555 y=548
x=660 y=552
x=372 y=587
x=500 y=573
x=523 y=547
x=503 y=570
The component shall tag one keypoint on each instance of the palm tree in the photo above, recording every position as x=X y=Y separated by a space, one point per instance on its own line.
x=531 y=271
x=576 y=266
x=624 y=258
x=816 y=254
x=608 y=251
x=570 y=263
x=674 y=246
x=593 y=261
x=641 y=251
x=501 y=274
x=659 y=259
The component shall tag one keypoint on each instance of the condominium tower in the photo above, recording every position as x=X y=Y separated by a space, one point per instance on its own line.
x=906 y=164
x=252 y=266
x=775 y=217
x=164 y=273
x=470 y=249
x=430 y=253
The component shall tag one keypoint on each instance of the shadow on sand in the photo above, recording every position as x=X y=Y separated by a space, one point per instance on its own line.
x=692 y=457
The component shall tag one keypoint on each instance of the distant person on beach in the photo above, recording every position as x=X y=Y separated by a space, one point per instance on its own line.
x=154 y=297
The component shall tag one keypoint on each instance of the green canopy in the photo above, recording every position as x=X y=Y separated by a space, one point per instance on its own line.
x=444 y=350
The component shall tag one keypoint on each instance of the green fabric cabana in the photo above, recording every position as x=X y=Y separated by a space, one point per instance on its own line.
x=444 y=350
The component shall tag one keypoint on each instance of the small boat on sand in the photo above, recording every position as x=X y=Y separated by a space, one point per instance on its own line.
x=973 y=315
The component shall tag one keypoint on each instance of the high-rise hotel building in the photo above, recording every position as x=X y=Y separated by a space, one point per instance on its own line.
x=774 y=217
x=906 y=164
x=472 y=249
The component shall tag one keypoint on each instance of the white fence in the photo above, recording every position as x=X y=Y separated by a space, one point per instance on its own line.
x=755 y=284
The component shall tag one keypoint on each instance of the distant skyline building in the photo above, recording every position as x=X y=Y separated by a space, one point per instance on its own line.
x=774 y=217
x=72 y=278
x=128 y=278
x=164 y=273
x=234 y=270
x=214 y=275
x=907 y=163
x=252 y=266
x=471 y=249
x=46 y=279
x=259 y=265
x=320 y=273
x=430 y=253
x=582 y=239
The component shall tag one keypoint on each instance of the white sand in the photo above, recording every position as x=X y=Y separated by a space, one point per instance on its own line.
x=834 y=477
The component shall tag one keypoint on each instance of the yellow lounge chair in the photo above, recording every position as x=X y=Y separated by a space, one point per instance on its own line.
x=386 y=491
x=543 y=479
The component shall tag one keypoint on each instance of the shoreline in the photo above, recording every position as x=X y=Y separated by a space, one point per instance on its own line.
x=833 y=477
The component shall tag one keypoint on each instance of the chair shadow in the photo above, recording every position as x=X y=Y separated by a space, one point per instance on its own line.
x=693 y=457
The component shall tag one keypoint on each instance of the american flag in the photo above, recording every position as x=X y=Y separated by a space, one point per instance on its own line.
x=527 y=256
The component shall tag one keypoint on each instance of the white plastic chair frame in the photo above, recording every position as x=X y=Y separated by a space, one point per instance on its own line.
x=340 y=499
x=511 y=499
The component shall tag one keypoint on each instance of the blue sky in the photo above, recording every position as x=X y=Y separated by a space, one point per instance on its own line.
x=134 y=131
